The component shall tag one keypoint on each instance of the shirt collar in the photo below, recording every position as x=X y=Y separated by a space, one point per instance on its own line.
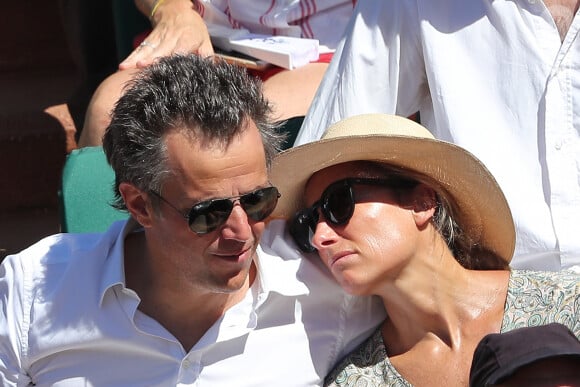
x=113 y=242
x=278 y=262
x=279 y=276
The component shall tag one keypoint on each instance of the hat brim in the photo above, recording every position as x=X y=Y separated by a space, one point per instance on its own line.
x=479 y=205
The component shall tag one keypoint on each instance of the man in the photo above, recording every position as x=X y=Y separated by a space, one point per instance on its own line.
x=181 y=294
x=499 y=78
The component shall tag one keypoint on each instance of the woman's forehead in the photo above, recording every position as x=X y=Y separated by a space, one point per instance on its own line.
x=323 y=178
x=359 y=168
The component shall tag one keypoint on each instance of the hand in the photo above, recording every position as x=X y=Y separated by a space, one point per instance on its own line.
x=177 y=28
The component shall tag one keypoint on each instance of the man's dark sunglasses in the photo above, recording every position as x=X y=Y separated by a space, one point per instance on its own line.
x=337 y=206
x=207 y=216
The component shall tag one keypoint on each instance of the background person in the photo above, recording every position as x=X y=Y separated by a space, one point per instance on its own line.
x=422 y=224
x=539 y=356
x=180 y=26
x=181 y=293
x=499 y=79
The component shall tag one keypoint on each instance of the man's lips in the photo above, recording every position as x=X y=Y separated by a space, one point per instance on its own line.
x=239 y=255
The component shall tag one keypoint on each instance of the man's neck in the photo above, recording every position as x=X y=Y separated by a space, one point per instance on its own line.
x=185 y=311
x=563 y=12
x=189 y=317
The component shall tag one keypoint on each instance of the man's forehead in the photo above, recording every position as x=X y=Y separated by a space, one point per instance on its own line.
x=242 y=163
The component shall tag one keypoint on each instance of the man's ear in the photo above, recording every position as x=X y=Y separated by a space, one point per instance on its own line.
x=137 y=203
x=424 y=204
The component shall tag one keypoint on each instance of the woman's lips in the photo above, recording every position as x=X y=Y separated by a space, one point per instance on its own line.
x=338 y=256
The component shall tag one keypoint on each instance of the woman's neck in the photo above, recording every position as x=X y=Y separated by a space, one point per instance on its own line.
x=441 y=300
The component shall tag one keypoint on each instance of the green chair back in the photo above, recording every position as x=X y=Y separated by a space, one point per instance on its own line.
x=86 y=192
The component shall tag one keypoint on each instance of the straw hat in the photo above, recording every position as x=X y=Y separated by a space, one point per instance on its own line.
x=478 y=204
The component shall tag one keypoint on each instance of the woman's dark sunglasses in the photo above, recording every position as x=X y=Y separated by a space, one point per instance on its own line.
x=337 y=206
x=207 y=216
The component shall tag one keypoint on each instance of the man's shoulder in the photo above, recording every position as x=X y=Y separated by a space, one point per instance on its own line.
x=52 y=255
x=279 y=255
x=56 y=249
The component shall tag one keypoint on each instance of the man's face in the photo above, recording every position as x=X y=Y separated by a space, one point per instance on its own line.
x=219 y=261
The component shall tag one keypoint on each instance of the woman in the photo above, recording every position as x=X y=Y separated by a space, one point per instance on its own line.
x=422 y=224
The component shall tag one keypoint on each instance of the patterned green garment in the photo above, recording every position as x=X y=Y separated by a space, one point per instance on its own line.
x=533 y=298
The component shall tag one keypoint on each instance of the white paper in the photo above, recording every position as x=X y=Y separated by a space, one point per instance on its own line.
x=283 y=51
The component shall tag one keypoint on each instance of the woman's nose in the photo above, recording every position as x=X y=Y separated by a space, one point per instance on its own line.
x=324 y=235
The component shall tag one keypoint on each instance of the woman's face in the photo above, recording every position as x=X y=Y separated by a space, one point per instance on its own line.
x=375 y=244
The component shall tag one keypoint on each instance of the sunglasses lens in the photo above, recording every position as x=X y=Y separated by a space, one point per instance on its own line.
x=338 y=203
x=337 y=207
x=207 y=216
x=302 y=229
x=260 y=203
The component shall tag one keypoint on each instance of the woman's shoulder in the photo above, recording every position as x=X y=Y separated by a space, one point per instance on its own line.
x=366 y=365
x=538 y=298
x=526 y=280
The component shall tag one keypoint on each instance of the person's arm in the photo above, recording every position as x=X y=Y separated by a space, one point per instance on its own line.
x=177 y=28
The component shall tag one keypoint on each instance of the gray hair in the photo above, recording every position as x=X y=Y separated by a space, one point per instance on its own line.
x=211 y=101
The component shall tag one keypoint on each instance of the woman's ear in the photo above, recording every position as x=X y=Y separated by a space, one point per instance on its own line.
x=424 y=204
x=137 y=203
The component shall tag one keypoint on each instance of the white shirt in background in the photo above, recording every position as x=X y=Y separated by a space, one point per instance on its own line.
x=490 y=76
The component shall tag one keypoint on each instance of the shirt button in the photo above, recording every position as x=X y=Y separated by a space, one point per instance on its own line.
x=558 y=145
x=532 y=1
x=186 y=363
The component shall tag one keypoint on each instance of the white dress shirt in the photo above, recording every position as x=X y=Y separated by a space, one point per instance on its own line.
x=67 y=319
x=489 y=75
